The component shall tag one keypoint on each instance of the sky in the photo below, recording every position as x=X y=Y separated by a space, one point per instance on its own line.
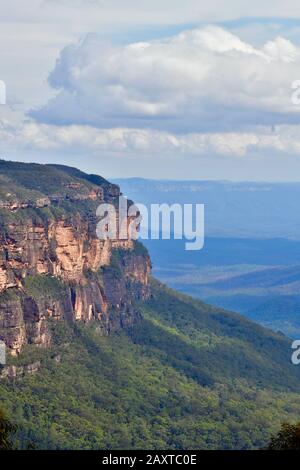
x=176 y=89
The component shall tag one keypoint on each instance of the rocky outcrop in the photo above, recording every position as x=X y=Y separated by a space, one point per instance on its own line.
x=14 y=372
x=54 y=268
x=14 y=203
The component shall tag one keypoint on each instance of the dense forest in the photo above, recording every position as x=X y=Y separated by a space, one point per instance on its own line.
x=186 y=375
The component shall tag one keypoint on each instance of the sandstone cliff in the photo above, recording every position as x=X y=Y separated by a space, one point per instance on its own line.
x=52 y=265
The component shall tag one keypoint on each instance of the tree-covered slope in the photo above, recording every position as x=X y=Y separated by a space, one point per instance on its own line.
x=186 y=375
x=32 y=180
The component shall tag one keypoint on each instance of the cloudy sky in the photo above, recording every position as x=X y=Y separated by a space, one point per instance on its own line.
x=160 y=89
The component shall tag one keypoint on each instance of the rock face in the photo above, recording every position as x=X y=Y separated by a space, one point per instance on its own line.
x=13 y=372
x=53 y=266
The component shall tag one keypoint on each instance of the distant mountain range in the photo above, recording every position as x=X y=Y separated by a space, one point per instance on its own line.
x=246 y=209
x=250 y=262
x=258 y=278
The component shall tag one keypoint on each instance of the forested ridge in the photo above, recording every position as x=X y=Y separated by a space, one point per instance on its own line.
x=185 y=376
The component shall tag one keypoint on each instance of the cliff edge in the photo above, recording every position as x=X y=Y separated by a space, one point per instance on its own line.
x=52 y=265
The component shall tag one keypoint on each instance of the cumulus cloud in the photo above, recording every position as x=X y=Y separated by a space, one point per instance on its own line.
x=202 y=92
x=202 y=80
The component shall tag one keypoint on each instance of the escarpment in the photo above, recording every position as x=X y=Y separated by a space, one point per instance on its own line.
x=52 y=265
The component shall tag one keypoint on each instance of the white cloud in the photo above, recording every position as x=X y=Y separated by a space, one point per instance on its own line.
x=205 y=91
x=76 y=139
x=201 y=80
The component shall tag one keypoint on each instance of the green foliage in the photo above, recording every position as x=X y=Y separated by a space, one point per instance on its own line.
x=288 y=438
x=7 y=429
x=21 y=178
x=9 y=295
x=41 y=286
x=185 y=376
x=29 y=182
x=74 y=172
x=229 y=344
x=140 y=249
x=114 y=269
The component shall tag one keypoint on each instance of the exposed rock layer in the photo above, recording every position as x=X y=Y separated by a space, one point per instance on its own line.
x=56 y=268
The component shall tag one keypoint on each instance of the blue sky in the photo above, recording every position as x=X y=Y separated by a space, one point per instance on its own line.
x=160 y=89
